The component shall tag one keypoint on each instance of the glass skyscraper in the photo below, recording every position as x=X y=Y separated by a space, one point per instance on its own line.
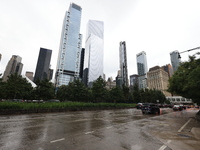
x=42 y=70
x=175 y=60
x=68 y=63
x=142 y=69
x=123 y=63
x=142 y=63
x=94 y=47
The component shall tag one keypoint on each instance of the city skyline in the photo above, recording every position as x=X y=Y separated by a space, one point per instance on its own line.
x=145 y=26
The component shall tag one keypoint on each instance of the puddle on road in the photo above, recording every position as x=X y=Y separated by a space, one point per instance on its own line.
x=183 y=135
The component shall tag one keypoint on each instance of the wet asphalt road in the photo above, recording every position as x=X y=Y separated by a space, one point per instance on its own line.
x=126 y=129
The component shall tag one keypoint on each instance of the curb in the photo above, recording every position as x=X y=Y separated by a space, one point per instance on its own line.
x=197 y=116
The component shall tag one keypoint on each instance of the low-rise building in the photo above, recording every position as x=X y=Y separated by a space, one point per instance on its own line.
x=157 y=78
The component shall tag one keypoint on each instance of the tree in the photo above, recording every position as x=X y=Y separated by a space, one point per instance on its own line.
x=17 y=87
x=98 y=90
x=76 y=91
x=125 y=92
x=185 y=81
x=44 y=90
x=2 y=89
x=62 y=93
x=136 y=94
x=116 y=94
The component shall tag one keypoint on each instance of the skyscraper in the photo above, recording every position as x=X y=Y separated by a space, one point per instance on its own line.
x=93 y=62
x=142 y=69
x=14 y=66
x=123 y=63
x=82 y=63
x=175 y=60
x=43 y=65
x=68 y=63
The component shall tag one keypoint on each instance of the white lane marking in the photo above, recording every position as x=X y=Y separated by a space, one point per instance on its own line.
x=184 y=125
x=169 y=141
x=164 y=146
x=57 y=140
x=89 y=132
x=109 y=127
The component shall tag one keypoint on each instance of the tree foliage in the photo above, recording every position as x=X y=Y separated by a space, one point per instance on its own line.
x=98 y=89
x=44 y=90
x=185 y=81
x=16 y=87
x=116 y=95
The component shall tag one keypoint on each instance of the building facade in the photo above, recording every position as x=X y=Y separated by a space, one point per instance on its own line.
x=14 y=66
x=94 y=51
x=168 y=68
x=123 y=63
x=110 y=83
x=133 y=80
x=142 y=69
x=82 y=63
x=29 y=75
x=175 y=60
x=68 y=63
x=42 y=70
x=157 y=78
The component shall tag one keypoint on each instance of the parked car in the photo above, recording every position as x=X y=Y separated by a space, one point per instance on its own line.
x=183 y=106
x=54 y=100
x=150 y=108
x=177 y=107
x=139 y=105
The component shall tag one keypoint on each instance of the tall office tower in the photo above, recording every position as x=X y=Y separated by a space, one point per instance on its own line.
x=93 y=61
x=123 y=63
x=158 y=79
x=43 y=65
x=68 y=63
x=14 y=66
x=82 y=63
x=175 y=60
x=142 y=69
x=29 y=75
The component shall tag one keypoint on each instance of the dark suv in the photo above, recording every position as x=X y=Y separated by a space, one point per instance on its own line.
x=150 y=108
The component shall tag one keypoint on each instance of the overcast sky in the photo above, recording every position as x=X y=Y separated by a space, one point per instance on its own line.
x=157 y=27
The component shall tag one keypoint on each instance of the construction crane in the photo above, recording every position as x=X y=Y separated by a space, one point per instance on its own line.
x=188 y=51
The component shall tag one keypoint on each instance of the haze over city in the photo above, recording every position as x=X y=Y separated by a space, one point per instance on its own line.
x=156 y=27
